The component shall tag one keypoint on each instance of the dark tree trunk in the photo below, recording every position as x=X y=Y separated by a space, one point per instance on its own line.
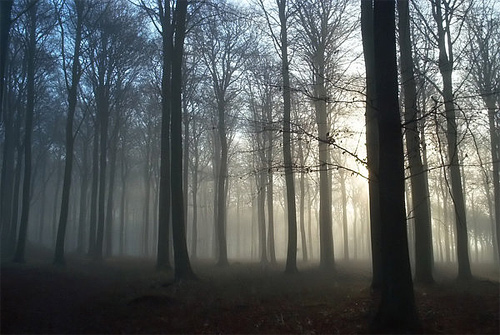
x=7 y=183
x=372 y=139
x=181 y=258
x=164 y=205
x=84 y=187
x=261 y=215
x=147 y=199
x=397 y=311
x=291 y=256
x=301 y=203
x=103 y=114
x=11 y=243
x=111 y=192
x=5 y=21
x=70 y=138
x=123 y=202
x=418 y=175
x=446 y=69
x=270 y=197
x=95 y=186
x=28 y=131
x=344 y=214
x=221 y=186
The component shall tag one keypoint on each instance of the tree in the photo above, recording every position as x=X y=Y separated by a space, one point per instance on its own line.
x=418 y=175
x=181 y=258
x=291 y=256
x=445 y=63
x=166 y=31
x=321 y=22
x=28 y=131
x=397 y=311
x=5 y=10
x=372 y=138
x=484 y=30
x=76 y=72
x=224 y=42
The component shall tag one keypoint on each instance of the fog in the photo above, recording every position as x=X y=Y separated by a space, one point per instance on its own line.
x=156 y=152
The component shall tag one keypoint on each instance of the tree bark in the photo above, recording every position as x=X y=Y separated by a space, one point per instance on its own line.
x=70 y=137
x=372 y=138
x=397 y=311
x=446 y=70
x=164 y=206
x=291 y=256
x=181 y=258
x=28 y=131
x=418 y=175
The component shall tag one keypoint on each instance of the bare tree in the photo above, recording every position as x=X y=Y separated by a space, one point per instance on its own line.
x=418 y=175
x=397 y=311
x=72 y=88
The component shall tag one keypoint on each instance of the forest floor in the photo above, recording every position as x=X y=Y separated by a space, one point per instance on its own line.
x=127 y=296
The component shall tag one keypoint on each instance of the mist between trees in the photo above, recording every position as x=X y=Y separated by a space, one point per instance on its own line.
x=252 y=129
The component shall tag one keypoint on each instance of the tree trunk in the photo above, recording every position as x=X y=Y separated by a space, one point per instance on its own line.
x=70 y=138
x=270 y=196
x=28 y=131
x=291 y=256
x=397 y=311
x=301 y=203
x=95 y=186
x=5 y=21
x=446 y=69
x=495 y=158
x=418 y=175
x=372 y=138
x=84 y=186
x=344 y=214
x=261 y=215
x=111 y=192
x=103 y=114
x=181 y=258
x=164 y=206
x=221 y=185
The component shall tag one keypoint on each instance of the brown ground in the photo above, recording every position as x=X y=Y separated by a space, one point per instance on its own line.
x=128 y=296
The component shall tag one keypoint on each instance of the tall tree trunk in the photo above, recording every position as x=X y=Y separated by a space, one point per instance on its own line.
x=270 y=197
x=103 y=114
x=123 y=202
x=181 y=258
x=111 y=192
x=301 y=202
x=11 y=133
x=221 y=185
x=446 y=69
x=94 y=190
x=28 y=131
x=418 y=175
x=261 y=215
x=164 y=206
x=84 y=186
x=194 y=231
x=397 y=311
x=5 y=21
x=494 y=128
x=15 y=199
x=70 y=137
x=147 y=200
x=372 y=138
x=291 y=256
x=344 y=214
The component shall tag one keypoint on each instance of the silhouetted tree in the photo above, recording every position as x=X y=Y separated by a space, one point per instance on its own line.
x=397 y=310
x=72 y=88
x=28 y=131
x=418 y=176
